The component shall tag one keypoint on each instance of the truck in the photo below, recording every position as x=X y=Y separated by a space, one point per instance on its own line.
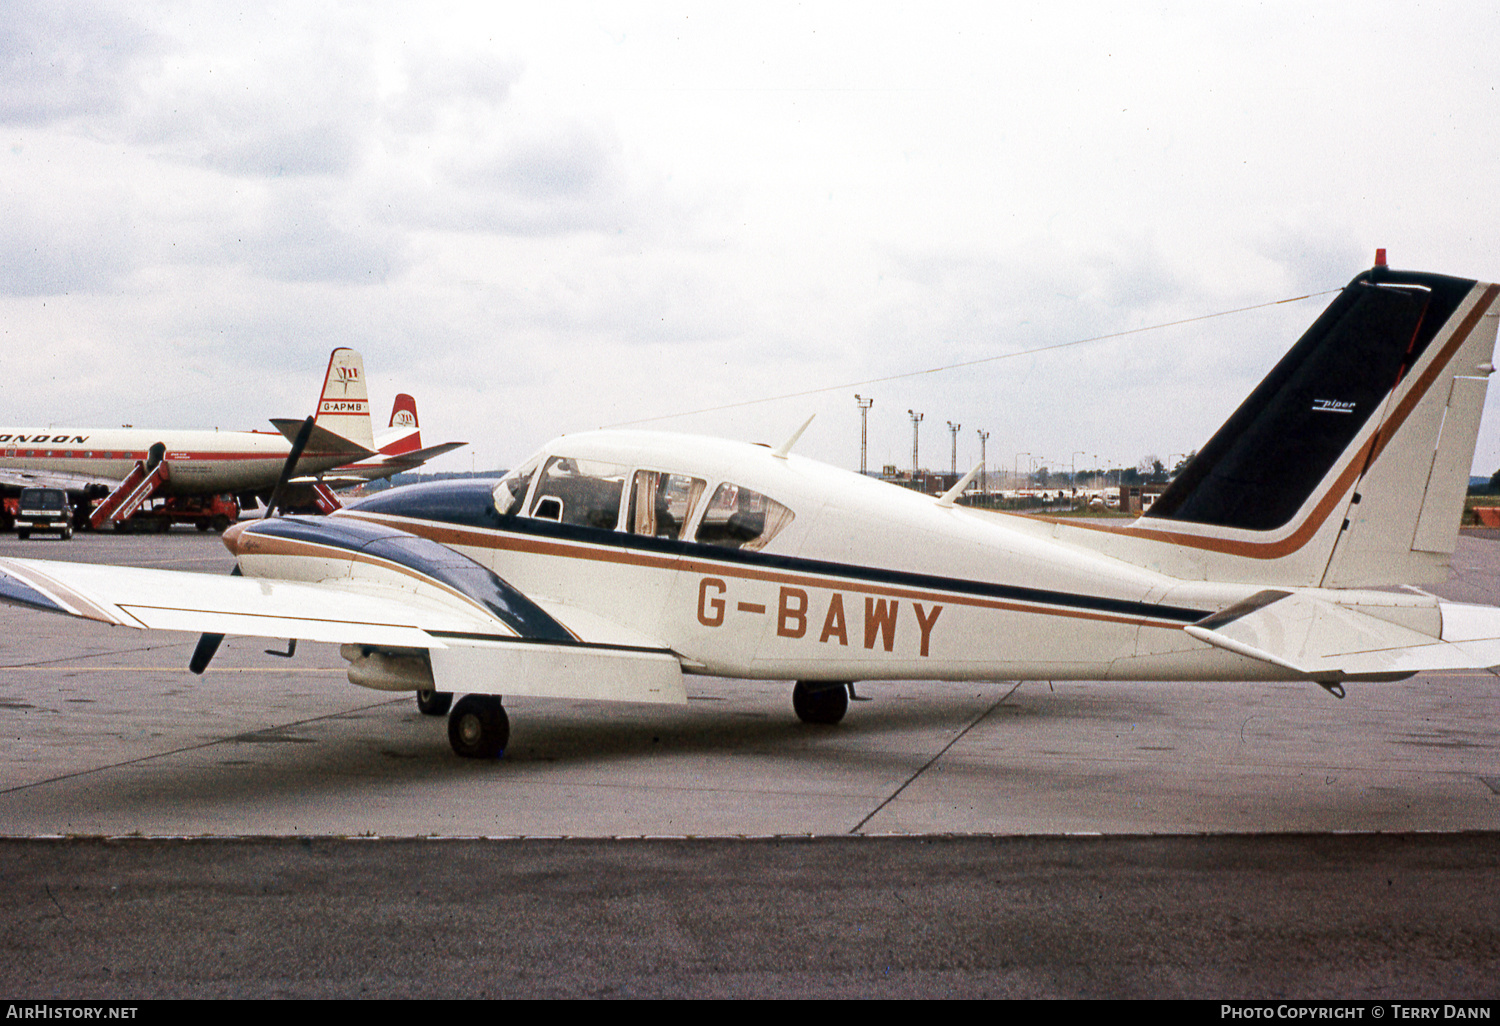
x=205 y=512
x=43 y=509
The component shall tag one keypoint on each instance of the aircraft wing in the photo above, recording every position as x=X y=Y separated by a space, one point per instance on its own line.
x=1322 y=639
x=54 y=479
x=354 y=612
x=471 y=650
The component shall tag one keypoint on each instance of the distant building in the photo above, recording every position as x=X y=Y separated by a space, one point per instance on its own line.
x=1137 y=499
x=928 y=482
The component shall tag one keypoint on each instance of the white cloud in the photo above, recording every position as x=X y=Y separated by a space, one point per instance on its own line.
x=65 y=61
x=543 y=219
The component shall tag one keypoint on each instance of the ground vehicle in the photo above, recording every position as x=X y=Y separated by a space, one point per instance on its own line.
x=44 y=509
x=205 y=512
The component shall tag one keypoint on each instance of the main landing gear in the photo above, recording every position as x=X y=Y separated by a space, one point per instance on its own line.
x=820 y=701
x=478 y=727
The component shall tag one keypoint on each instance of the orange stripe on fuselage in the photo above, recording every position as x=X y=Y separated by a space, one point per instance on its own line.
x=445 y=534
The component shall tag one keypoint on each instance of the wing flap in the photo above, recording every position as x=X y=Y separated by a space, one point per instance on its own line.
x=600 y=673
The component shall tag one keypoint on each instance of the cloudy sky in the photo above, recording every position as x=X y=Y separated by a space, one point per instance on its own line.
x=541 y=219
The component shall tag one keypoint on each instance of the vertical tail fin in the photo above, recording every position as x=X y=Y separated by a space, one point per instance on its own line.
x=344 y=406
x=406 y=434
x=1347 y=466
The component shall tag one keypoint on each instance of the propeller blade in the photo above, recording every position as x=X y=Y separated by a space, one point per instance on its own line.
x=298 y=444
x=208 y=644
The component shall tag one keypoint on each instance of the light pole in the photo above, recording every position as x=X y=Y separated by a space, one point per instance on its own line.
x=864 y=417
x=984 y=484
x=953 y=430
x=1015 y=468
x=916 y=419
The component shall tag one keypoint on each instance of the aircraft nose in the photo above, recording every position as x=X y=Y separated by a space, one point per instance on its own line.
x=232 y=535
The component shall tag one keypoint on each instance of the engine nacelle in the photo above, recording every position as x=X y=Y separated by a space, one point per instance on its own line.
x=388 y=669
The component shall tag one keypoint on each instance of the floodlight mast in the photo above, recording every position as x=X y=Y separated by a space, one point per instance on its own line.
x=953 y=430
x=864 y=421
x=916 y=419
x=984 y=484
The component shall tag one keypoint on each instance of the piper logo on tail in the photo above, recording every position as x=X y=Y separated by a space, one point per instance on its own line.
x=1331 y=406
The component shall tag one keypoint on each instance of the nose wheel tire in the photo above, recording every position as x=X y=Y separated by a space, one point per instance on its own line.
x=478 y=727
x=434 y=703
x=820 y=702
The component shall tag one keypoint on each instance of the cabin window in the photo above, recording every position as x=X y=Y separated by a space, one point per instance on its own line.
x=661 y=503
x=510 y=493
x=737 y=518
x=586 y=493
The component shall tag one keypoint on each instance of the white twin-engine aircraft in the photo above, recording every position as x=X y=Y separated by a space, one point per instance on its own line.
x=611 y=563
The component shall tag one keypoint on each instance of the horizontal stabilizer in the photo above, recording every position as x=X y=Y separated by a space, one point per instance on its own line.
x=432 y=451
x=321 y=442
x=377 y=467
x=1320 y=639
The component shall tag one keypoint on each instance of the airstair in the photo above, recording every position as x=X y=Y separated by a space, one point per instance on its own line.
x=326 y=501
x=139 y=485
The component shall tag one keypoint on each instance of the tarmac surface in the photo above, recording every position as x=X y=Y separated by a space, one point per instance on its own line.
x=1077 y=838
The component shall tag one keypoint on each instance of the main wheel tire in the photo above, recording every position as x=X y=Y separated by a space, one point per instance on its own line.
x=478 y=727
x=820 y=702
x=434 y=703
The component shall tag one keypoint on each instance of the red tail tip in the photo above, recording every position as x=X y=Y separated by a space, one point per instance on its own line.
x=1380 y=258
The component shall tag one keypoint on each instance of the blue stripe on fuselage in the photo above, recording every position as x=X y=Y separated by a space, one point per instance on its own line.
x=470 y=504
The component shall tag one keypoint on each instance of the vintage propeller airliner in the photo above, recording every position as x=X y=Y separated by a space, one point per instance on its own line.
x=611 y=563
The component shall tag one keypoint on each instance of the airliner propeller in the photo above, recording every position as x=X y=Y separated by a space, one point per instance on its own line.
x=208 y=644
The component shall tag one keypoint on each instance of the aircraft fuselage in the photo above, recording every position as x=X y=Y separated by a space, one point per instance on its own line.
x=866 y=580
x=202 y=462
